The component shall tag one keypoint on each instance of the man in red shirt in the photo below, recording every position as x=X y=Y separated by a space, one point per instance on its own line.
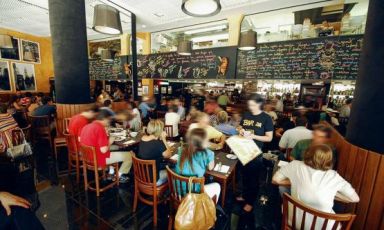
x=95 y=134
x=77 y=122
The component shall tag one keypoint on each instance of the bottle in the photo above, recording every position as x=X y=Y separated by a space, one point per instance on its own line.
x=181 y=145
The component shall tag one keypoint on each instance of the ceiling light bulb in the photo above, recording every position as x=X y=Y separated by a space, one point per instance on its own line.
x=201 y=8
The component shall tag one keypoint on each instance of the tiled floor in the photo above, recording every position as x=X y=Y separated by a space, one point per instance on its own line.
x=65 y=205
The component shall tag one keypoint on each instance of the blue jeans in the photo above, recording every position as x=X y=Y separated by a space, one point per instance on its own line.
x=163 y=178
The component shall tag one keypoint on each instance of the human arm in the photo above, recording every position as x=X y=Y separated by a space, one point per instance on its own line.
x=8 y=200
x=167 y=150
x=346 y=193
x=282 y=176
x=283 y=143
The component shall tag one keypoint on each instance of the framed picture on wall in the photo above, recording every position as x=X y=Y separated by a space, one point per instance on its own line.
x=24 y=76
x=5 y=77
x=11 y=53
x=30 y=51
x=145 y=90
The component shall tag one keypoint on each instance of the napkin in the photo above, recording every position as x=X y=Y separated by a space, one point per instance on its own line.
x=223 y=169
x=129 y=142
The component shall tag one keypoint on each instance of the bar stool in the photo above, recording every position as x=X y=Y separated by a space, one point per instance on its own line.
x=60 y=139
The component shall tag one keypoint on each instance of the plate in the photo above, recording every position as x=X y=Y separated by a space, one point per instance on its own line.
x=231 y=156
x=116 y=130
x=119 y=138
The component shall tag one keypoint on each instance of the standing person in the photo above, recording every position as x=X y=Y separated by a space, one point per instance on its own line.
x=268 y=108
x=279 y=107
x=196 y=158
x=292 y=136
x=187 y=100
x=180 y=109
x=172 y=118
x=345 y=110
x=223 y=100
x=135 y=123
x=145 y=108
x=258 y=126
x=95 y=134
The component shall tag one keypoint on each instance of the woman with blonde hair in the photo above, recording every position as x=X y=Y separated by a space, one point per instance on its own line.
x=314 y=182
x=153 y=146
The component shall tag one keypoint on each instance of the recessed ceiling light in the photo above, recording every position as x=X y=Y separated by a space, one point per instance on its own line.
x=143 y=26
x=201 y=8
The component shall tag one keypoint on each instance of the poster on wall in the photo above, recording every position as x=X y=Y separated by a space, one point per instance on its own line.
x=5 y=79
x=24 y=76
x=11 y=53
x=30 y=51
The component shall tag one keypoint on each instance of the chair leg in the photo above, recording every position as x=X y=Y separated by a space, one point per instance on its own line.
x=77 y=171
x=155 y=210
x=135 y=197
x=97 y=183
x=85 y=177
x=117 y=174
x=170 y=222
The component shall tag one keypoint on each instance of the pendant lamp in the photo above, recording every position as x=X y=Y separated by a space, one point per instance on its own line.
x=5 y=41
x=106 y=20
x=201 y=8
x=248 y=40
x=184 y=48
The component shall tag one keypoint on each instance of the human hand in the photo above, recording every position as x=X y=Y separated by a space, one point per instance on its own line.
x=8 y=200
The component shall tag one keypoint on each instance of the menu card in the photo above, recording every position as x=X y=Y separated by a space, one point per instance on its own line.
x=245 y=149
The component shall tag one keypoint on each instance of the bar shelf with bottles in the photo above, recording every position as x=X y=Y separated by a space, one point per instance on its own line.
x=341 y=91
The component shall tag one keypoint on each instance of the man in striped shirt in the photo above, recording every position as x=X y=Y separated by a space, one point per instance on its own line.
x=7 y=125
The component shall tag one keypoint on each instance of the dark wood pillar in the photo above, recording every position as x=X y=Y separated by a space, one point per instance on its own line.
x=366 y=124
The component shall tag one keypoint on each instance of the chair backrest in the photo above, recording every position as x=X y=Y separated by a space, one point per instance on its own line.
x=89 y=156
x=72 y=144
x=326 y=220
x=66 y=126
x=169 y=130
x=144 y=171
x=40 y=123
x=178 y=185
x=17 y=137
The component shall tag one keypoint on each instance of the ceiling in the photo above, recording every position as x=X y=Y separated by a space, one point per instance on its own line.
x=31 y=16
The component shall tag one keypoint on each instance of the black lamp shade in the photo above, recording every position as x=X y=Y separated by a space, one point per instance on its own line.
x=106 y=20
x=184 y=48
x=201 y=8
x=248 y=40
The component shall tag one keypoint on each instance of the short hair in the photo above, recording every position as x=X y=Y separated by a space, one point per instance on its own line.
x=301 y=121
x=107 y=103
x=200 y=116
x=28 y=94
x=174 y=108
x=45 y=100
x=40 y=94
x=133 y=104
x=322 y=128
x=155 y=127
x=259 y=99
x=296 y=113
x=348 y=101
x=3 y=108
x=222 y=117
x=92 y=108
x=319 y=157
x=104 y=114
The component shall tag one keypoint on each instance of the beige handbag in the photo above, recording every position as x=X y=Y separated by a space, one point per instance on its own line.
x=196 y=211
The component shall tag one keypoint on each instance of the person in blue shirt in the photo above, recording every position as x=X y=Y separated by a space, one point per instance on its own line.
x=145 y=108
x=196 y=158
x=223 y=125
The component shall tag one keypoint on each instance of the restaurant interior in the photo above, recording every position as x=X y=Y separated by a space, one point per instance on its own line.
x=191 y=114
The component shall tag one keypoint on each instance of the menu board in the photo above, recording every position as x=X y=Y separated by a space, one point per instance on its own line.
x=215 y=63
x=319 y=58
x=117 y=69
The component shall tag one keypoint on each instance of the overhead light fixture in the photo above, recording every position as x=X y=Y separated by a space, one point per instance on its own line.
x=201 y=8
x=106 y=55
x=248 y=40
x=106 y=20
x=5 y=41
x=184 y=48
x=220 y=27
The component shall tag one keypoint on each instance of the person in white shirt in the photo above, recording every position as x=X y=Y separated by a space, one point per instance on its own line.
x=345 y=110
x=268 y=108
x=135 y=123
x=172 y=118
x=180 y=109
x=279 y=107
x=292 y=136
x=314 y=183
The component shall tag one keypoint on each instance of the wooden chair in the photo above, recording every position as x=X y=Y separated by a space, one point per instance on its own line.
x=145 y=184
x=344 y=221
x=89 y=159
x=60 y=139
x=41 y=128
x=178 y=186
x=169 y=130
x=17 y=137
x=73 y=155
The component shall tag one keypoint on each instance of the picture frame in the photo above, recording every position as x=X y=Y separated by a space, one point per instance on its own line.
x=145 y=90
x=24 y=77
x=5 y=77
x=30 y=51
x=11 y=53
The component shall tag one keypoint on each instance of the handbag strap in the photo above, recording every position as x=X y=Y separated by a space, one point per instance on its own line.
x=190 y=185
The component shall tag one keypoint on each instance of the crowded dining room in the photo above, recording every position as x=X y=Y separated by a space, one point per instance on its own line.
x=191 y=114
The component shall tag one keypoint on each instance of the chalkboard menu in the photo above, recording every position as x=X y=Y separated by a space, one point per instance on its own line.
x=215 y=63
x=108 y=70
x=319 y=58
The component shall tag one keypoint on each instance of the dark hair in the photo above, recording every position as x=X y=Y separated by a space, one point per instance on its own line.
x=93 y=108
x=107 y=103
x=301 y=121
x=256 y=98
x=173 y=108
x=28 y=94
x=40 y=94
x=278 y=97
x=348 y=101
x=133 y=104
x=322 y=128
x=104 y=114
x=195 y=140
x=45 y=100
x=3 y=108
x=296 y=114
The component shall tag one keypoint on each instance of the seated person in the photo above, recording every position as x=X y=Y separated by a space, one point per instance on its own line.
x=135 y=122
x=172 y=118
x=145 y=108
x=15 y=105
x=95 y=134
x=163 y=107
x=285 y=124
x=321 y=135
x=46 y=109
x=235 y=119
x=77 y=122
x=195 y=159
x=34 y=104
x=223 y=125
x=212 y=133
x=192 y=113
x=153 y=146
x=210 y=106
x=268 y=108
x=180 y=108
x=213 y=117
x=314 y=183
x=7 y=125
x=292 y=136
x=107 y=105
